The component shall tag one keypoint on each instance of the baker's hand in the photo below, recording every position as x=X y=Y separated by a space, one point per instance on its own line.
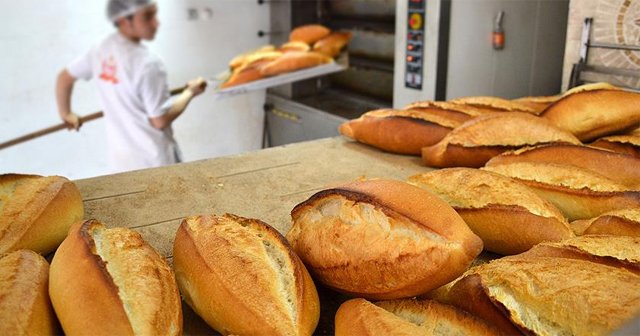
x=197 y=86
x=72 y=121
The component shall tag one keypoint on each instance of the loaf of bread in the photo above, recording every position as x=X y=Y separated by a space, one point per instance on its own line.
x=309 y=34
x=508 y=216
x=294 y=46
x=398 y=131
x=381 y=239
x=625 y=144
x=25 y=308
x=595 y=111
x=457 y=112
x=577 y=192
x=294 y=60
x=550 y=295
x=538 y=103
x=621 y=168
x=494 y=104
x=359 y=317
x=111 y=282
x=242 y=278
x=36 y=212
x=476 y=141
x=243 y=58
x=616 y=251
x=332 y=44
x=625 y=222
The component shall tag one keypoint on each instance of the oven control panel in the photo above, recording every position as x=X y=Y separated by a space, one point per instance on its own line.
x=415 y=44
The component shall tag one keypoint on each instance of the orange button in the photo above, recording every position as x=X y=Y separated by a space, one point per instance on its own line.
x=415 y=21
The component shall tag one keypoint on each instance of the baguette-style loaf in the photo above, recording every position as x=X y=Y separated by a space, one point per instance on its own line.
x=625 y=222
x=538 y=103
x=625 y=144
x=36 y=212
x=381 y=239
x=593 y=113
x=494 y=104
x=111 y=282
x=25 y=308
x=457 y=112
x=476 y=141
x=616 y=251
x=621 y=168
x=242 y=278
x=243 y=58
x=579 y=193
x=294 y=46
x=398 y=131
x=550 y=295
x=359 y=317
x=508 y=216
x=294 y=60
x=332 y=44
x=309 y=34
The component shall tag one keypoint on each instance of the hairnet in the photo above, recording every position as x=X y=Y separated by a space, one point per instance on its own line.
x=120 y=8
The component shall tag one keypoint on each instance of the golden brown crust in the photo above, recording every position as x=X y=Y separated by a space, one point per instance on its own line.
x=294 y=46
x=397 y=131
x=618 y=167
x=536 y=294
x=242 y=59
x=309 y=34
x=36 y=212
x=25 y=307
x=595 y=113
x=332 y=44
x=111 y=282
x=577 y=192
x=615 y=251
x=508 y=216
x=538 y=103
x=629 y=145
x=432 y=244
x=494 y=104
x=624 y=222
x=461 y=111
x=294 y=60
x=241 y=276
x=474 y=142
x=406 y=317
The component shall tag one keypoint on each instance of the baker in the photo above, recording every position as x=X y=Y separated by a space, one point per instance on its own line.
x=133 y=90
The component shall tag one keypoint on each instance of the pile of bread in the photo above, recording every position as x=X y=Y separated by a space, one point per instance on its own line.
x=308 y=46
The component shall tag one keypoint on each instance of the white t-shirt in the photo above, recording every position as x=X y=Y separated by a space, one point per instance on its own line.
x=132 y=83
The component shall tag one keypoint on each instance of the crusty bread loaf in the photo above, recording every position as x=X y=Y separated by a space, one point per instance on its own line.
x=398 y=131
x=309 y=34
x=625 y=144
x=241 y=59
x=251 y=69
x=494 y=104
x=476 y=141
x=508 y=216
x=332 y=44
x=457 y=112
x=36 y=212
x=618 y=167
x=111 y=282
x=616 y=251
x=359 y=317
x=294 y=46
x=242 y=278
x=25 y=308
x=538 y=103
x=381 y=239
x=593 y=113
x=579 y=193
x=625 y=222
x=294 y=60
x=550 y=296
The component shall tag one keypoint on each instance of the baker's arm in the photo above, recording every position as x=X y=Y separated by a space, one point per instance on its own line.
x=194 y=88
x=64 y=89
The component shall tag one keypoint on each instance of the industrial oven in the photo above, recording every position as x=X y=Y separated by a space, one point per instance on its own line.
x=408 y=50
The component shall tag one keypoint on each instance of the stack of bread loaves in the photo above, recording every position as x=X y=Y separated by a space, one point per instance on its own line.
x=308 y=46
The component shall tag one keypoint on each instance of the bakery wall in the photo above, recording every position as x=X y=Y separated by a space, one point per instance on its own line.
x=39 y=38
x=614 y=21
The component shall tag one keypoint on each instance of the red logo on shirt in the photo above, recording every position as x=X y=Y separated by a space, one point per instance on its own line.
x=109 y=70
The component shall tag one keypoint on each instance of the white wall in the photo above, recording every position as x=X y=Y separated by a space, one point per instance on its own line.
x=38 y=38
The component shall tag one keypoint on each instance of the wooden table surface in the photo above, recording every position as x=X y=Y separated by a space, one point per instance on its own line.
x=265 y=184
